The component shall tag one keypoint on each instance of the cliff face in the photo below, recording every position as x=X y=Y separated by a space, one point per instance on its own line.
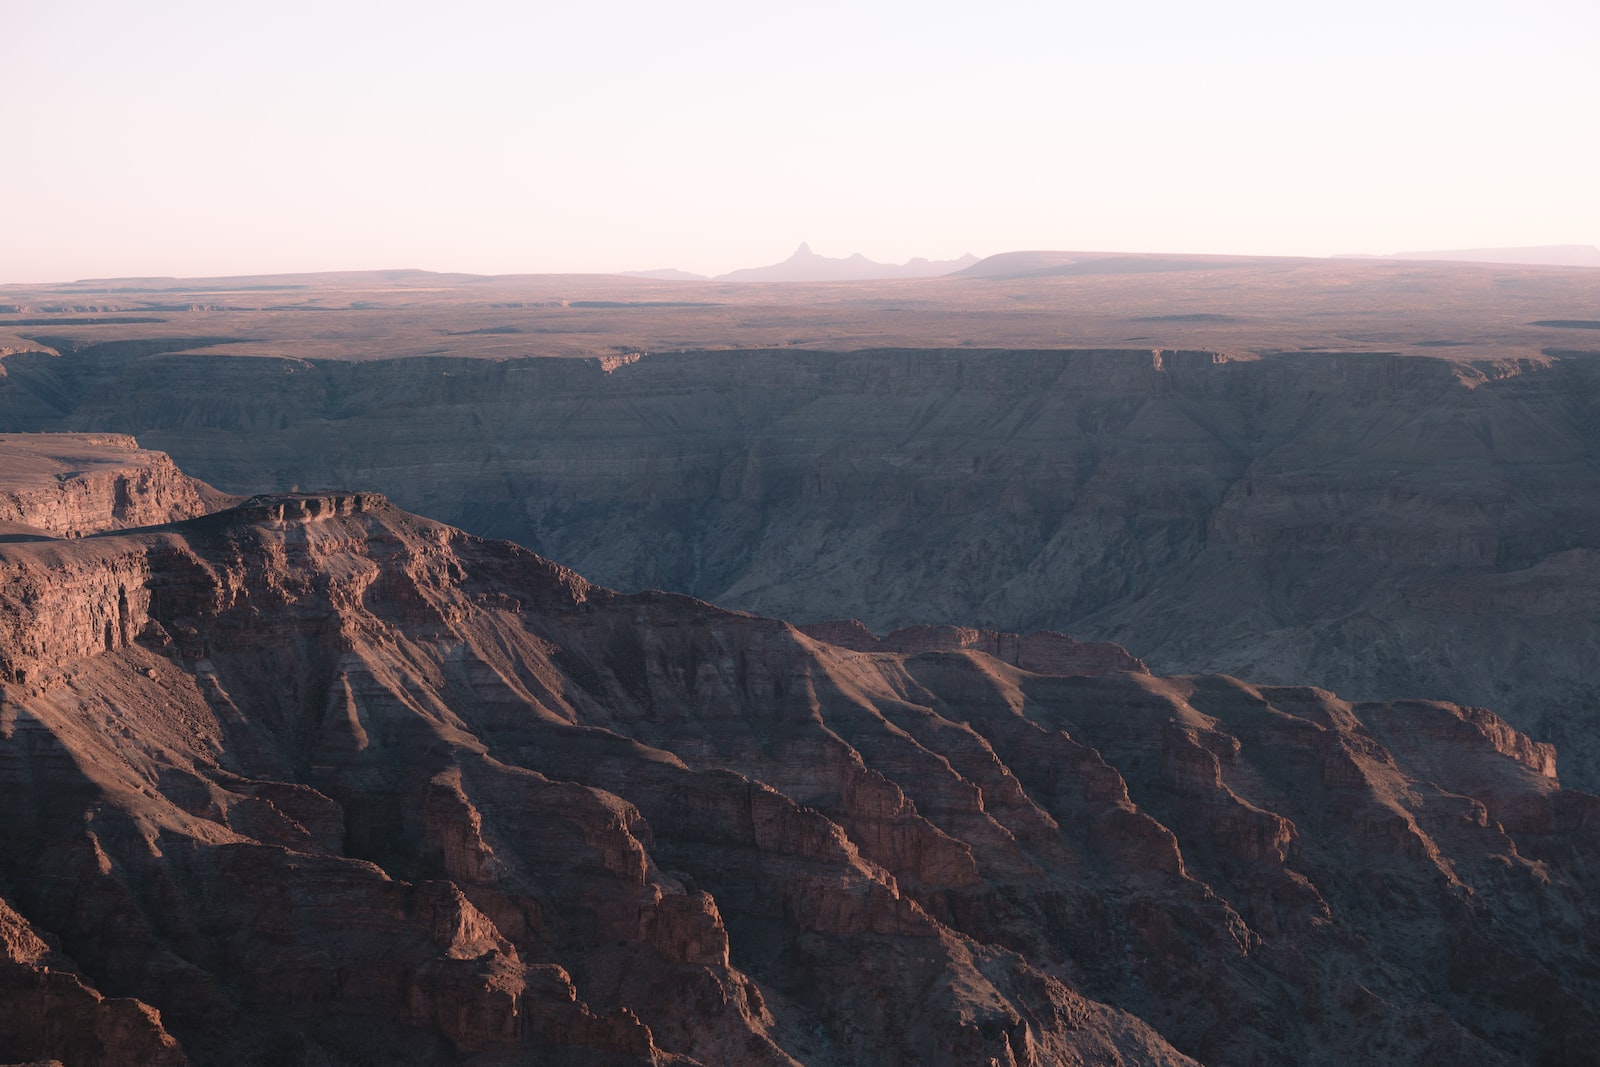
x=315 y=780
x=69 y=485
x=1384 y=526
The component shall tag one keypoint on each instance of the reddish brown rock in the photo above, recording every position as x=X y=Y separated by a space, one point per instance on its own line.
x=346 y=784
x=72 y=484
x=1385 y=525
x=47 y=1009
x=1043 y=651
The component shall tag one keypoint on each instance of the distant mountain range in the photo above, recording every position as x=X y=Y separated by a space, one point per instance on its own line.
x=1040 y=264
x=1043 y=264
x=806 y=266
x=1542 y=255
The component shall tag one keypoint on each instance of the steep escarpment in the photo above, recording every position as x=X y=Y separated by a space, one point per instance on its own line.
x=503 y=812
x=1384 y=526
x=69 y=485
x=48 y=1010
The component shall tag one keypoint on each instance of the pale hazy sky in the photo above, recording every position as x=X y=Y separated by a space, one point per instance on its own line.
x=164 y=138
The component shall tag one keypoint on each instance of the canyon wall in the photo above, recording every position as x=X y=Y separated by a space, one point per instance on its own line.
x=314 y=780
x=69 y=485
x=1385 y=526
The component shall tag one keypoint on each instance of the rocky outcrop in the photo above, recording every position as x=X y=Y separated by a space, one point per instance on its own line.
x=1044 y=652
x=70 y=485
x=1386 y=526
x=47 y=1010
x=362 y=787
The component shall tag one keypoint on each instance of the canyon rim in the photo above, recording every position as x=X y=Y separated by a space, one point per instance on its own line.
x=826 y=781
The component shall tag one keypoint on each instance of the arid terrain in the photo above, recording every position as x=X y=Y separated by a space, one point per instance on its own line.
x=1315 y=805
x=784 y=535
x=308 y=779
x=1237 y=305
x=1378 y=477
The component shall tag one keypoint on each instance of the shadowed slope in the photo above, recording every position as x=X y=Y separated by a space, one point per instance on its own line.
x=318 y=778
x=1381 y=525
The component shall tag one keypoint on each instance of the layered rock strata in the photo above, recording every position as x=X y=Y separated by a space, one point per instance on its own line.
x=72 y=484
x=1381 y=525
x=316 y=780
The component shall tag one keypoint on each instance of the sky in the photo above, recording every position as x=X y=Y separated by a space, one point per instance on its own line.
x=192 y=139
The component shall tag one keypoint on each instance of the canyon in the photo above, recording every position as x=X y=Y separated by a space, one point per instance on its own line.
x=1383 y=525
x=306 y=778
x=413 y=668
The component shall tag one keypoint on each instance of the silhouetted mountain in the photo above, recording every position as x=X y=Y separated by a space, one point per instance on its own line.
x=1044 y=264
x=806 y=266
